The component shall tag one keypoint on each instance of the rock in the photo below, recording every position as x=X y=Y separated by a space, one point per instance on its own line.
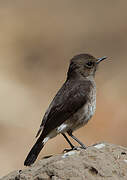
x=102 y=161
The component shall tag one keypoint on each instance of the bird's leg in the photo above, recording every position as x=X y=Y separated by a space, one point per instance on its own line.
x=69 y=142
x=77 y=140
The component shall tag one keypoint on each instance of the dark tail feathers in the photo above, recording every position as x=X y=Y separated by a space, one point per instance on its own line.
x=33 y=154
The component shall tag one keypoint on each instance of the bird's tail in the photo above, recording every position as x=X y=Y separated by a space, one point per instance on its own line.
x=34 y=152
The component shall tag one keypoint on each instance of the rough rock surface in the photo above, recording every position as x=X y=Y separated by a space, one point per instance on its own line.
x=98 y=162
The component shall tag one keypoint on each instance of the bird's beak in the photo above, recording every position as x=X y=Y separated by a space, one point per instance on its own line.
x=101 y=59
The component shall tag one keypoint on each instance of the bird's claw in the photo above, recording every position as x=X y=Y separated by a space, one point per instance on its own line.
x=74 y=148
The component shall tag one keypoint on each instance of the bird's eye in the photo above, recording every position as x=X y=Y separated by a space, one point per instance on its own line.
x=89 y=64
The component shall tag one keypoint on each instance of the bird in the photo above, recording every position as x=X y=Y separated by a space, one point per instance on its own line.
x=72 y=107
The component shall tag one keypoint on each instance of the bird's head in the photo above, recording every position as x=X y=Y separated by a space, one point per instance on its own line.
x=84 y=65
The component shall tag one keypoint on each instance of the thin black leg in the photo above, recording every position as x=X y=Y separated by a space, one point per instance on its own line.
x=69 y=142
x=82 y=145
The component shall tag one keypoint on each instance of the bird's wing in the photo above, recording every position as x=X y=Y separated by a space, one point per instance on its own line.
x=71 y=97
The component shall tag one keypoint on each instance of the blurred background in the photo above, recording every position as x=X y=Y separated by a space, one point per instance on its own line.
x=37 y=40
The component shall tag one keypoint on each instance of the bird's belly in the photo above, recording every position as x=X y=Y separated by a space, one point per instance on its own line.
x=83 y=115
x=79 y=119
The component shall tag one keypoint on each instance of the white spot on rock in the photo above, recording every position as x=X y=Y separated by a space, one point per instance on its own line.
x=70 y=153
x=99 y=146
x=125 y=160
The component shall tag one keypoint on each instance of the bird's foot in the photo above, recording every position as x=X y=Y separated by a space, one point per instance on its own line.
x=74 y=148
x=67 y=150
x=83 y=147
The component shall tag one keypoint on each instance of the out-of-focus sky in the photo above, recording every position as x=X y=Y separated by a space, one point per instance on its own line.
x=37 y=40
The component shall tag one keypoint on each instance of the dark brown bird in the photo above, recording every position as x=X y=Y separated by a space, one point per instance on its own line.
x=73 y=105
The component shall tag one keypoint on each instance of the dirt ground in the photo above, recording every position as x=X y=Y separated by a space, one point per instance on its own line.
x=99 y=162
